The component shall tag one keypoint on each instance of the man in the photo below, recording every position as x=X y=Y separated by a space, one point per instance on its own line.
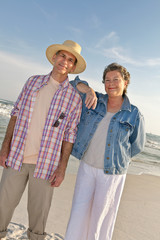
x=39 y=139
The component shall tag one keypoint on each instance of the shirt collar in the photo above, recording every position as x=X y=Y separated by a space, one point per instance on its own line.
x=46 y=78
x=65 y=83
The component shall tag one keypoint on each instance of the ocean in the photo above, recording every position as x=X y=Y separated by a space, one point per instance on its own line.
x=147 y=162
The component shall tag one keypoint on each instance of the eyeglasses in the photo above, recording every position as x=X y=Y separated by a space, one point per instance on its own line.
x=57 y=122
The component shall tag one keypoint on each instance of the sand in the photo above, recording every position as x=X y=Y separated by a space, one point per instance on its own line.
x=139 y=213
x=138 y=216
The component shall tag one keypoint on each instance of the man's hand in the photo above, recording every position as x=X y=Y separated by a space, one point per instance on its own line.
x=3 y=157
x=59 y=174
x=91 y=99
x=57 y=178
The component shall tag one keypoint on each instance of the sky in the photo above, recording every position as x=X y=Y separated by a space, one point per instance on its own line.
x=122 y=31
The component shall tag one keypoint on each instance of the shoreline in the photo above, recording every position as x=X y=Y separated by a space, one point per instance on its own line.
x=138 y=215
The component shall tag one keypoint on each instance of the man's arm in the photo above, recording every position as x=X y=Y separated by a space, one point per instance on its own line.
x=91 y=98
x=7 y=141
x=59 y=174
x=83 y=88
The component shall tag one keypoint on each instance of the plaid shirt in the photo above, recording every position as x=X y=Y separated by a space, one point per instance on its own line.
x=67 y=101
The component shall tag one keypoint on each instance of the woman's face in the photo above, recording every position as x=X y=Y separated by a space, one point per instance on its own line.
x=114 y=84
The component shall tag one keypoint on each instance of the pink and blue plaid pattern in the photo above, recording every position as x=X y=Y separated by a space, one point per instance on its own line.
x=67 y=101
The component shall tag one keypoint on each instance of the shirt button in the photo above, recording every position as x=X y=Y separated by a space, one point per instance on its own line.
x=111 y=130
x=106 y=171
x=107 y=158
x=109 y=145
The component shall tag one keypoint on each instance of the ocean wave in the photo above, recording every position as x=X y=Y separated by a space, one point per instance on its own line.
x=5 y=107
x=153 y=141
x=146 y=162
x=152 y=145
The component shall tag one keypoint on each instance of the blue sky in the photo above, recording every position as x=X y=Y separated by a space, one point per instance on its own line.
x=122 y=31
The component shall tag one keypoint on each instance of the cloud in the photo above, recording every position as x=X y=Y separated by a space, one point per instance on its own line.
x=14 y=72
x=153 y=62
x=17 y=61
x=95 y=22
x=47 y=15
x=75 y=30
x=112 y=36
x=15 y=44
x=119 y=53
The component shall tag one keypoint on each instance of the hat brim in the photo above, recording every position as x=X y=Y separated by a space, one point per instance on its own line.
x=53 y=49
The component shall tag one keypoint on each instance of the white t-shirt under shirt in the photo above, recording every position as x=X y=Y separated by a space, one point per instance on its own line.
x=94 y=155
x=39 y=115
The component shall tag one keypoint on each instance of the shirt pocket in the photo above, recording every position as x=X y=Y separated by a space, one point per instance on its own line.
x=88 y=115
x=61 y=119
x=125 y=130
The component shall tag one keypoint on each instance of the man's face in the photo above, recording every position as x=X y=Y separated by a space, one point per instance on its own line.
x=64 y=62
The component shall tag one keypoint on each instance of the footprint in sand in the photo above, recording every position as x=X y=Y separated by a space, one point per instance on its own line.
x=18 y=231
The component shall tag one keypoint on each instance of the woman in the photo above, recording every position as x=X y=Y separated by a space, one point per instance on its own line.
x=108 y=137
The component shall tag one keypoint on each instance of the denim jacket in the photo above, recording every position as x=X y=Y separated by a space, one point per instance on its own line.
x=126 y=134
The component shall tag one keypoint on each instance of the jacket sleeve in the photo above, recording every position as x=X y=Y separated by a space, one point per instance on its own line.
x=138 y=136
x=75 y=82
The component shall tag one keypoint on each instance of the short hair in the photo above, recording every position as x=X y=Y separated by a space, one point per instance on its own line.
x=122 y=70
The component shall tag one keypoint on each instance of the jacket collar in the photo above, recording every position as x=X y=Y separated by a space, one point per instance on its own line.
x=125 y=106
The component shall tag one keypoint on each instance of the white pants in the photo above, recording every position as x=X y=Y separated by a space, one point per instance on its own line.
x=95 y=204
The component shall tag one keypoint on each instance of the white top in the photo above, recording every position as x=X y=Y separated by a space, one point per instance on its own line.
x=94 y=155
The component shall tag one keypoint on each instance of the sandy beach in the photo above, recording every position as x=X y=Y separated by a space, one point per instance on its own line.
x=138 y=217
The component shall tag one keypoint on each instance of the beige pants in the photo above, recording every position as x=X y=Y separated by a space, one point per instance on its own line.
x=40 y=193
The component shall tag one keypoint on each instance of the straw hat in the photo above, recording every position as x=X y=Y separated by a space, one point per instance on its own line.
x=71 y=47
